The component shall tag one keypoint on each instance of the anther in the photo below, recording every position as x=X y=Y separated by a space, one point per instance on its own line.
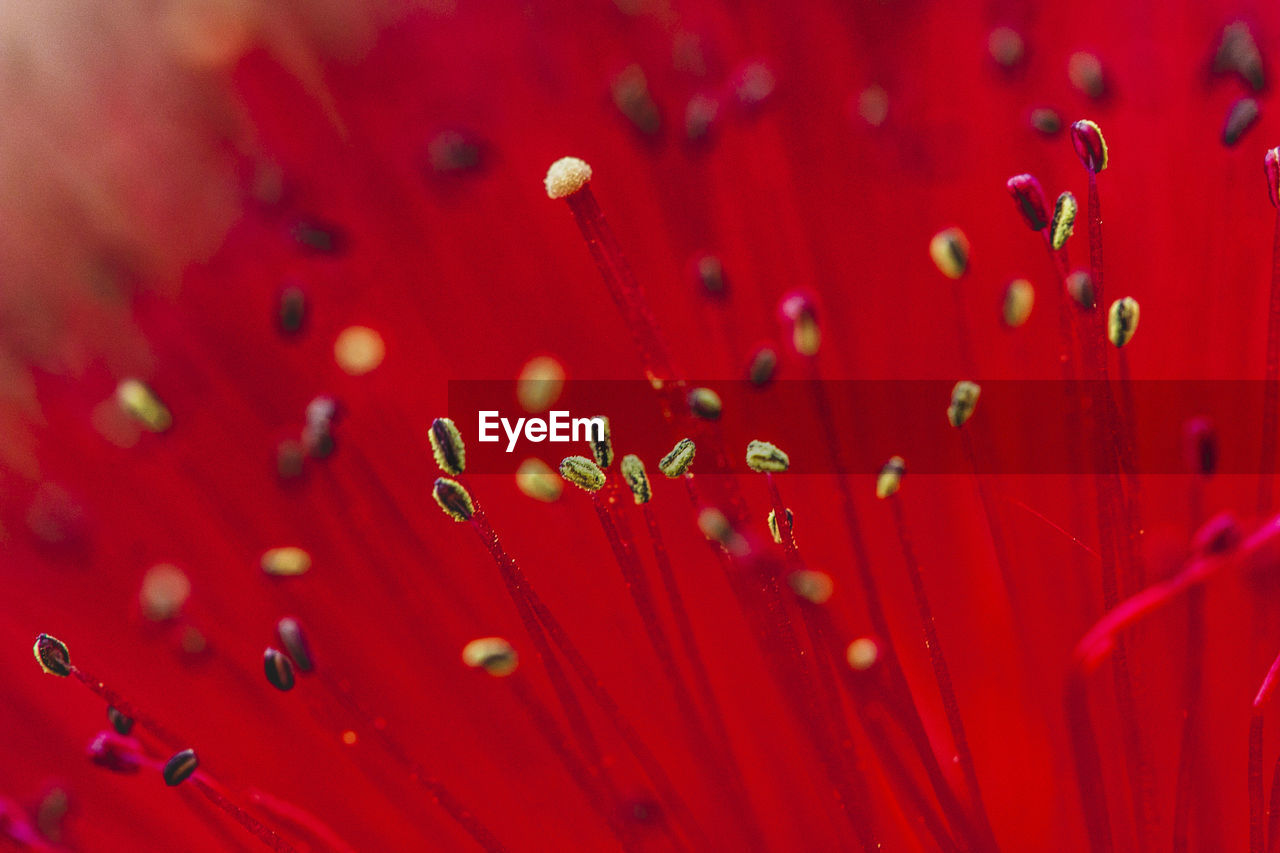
x=1091 y=148
x=1080 y=288
x=1046 y=121
x=1238 y=53
x=763 y=365
x=949 y=250
x=675 y=463
x=278 y=669
x=453 y=499
x=291 y=312
x=566 y=176
x=715 y=525
x=115 y=753
x=1026 y=191
x=890 y=479
x=631 y=97
x=1019 y=297
x=813 y=586
x=1122 y=321
x=447 y=446
x=540 y=384
x=358 y=350
x=1200 y=446
x=1064 y=220
x=772 y=521
x=1006 y=47
x=709 y=272
x=1086 y=74
x=872 y=105
x=1271 y=168
x=799 y=311
x=1242 y=116
x=763 y=457
x=121 y=723
x=699 y=117
x=582 y=472
x=138 y=401
x=289 y=632
x=165 y=588
x=319 y=237
x=452 y=152
x=290 y=456
x=753 y=84
x=964 y=399
x=53 y=655
x=286 y=562
x=537 y=480
x=492 y=654
x=633 y=472
x=601 y=443
x=862 y=654
x=179 y=768
x=705 y=403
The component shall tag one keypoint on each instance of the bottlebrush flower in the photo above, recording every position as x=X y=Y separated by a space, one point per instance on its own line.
x=247 y=246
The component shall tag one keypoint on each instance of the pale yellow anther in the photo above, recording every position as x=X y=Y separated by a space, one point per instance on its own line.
x=165 y=588
x=286 y=561
x=358 y=350
x=566 y=176
x=633 y=472
x=1019 y=298
x=492 y=654
x=764 y=457
x=540 y=384
x=964 y=399
x=538 y=480
x=1122 y=321
x=862 y=654
x=890 y=479
x=813 y=586
x=675 y=463
x=138 y=401
x=949 y=250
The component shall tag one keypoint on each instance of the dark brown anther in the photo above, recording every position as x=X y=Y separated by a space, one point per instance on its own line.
x=179 y=768
x=452 y=152
x=1200 y=446
x=1242 y=116
x=115 y=753
x=1091 y=148
x=447 y=447
x=53 y=655
x=291 y=312
x=317 y=436
x=631 y=97
x=1080 y=289
x=294 y=640
x=319 y=237
x=119 y=721
x=763 y=365
x=1271 y=167
x=454 y=499
x=710 y=274
x=278 y=669
x=1026 y=191
x=705 y=404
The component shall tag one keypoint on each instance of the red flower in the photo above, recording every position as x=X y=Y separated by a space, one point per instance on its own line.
x=261 y=243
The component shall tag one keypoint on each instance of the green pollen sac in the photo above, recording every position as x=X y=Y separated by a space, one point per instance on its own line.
x=447 y=446
x=582 y=472
x=773 y=525
x=633 y=472
x=601 y=446
x=677 y=462
x=53 y=655
x=179 y=768
x=1064 y=220
x=764 y=457
x=453 y=499
x=964 y=399
x=1122 y=321
x=890 y=479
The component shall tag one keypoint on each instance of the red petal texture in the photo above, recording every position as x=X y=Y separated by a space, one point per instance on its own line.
x=468 y=274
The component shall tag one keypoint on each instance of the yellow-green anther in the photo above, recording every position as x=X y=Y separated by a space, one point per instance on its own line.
x=453 y=499
x=773 y=525
x=765 y=457
x=139 y=402
x=633 y=472
x=949 y=250
x=675 y=463
x=1122 y=321
x=582 y=472
x=447 y=446
x=601 y=443
x=964 y=399
x=1064 y=220
x=890 y=479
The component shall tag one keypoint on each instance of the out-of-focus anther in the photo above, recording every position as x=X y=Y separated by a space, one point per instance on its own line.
x=705 y=404
x=964 y=399
x=949 y=250
x=813 y=586
x=890 y=479
x=862 y=654
x=538 y=480
x=492 y=654
x=121 y=723
x=294 y=639
x=139 y=402
x=1200 y=446
x=763 y=365
x=1079 y=286
x=1242 y=115
x=1006 y=47
x=1085 y=72
x=286 y=562
x=798 y=310
x=1019 y=298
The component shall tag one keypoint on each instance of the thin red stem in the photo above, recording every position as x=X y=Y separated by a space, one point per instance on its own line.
x=1188 y=755
x=1256 y=841
x=216 y=794
x=1271 y=403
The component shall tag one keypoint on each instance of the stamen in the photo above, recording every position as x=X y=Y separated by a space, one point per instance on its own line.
x=715 y=525
x=631 y=97
x=492 y=654
x=677 y=462
x=287 y=561
x=601 y=445
x=1019 y=298
x=1079 y=286
x=53 y=655
x=1064 y=220
x=949 y=250
x=1086 y=74
x=1026 y=191
x=762 y=367
x=566 y=176
x=358 y=350
x=1006 y=47
x=773 y=524
x=1240 y=118
x=890 y=479
x=119 y=755
x=964 y=399
x=763 y=457
x=813 y=586
x=447 y=447
x=1046 y=121
x=710 y=275
x=538 y=480
x=292 y=310
x=705 y=404
x=798 y=310
x=582 y=472
x=1122 y=321
x=179 y=768
x=633 y=472
x=165 y=588
x=862 y=654
x=1091 y=147
x=291 y=636
x=1271 y=400
x=454 y=499
x=119 y=722
x=138 y=401
x=699 y=117
x=278 y=669
x=540 y=384
x=1238 y=53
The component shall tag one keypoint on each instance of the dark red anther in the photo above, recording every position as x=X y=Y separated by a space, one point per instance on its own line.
x=291 y=636
x=1026 y=191
x=1091 y=148
x=1271 y=166
x=1200 y=446
x=179 y=768
x=115 y=753
x=53 y=655
x=278 y=669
